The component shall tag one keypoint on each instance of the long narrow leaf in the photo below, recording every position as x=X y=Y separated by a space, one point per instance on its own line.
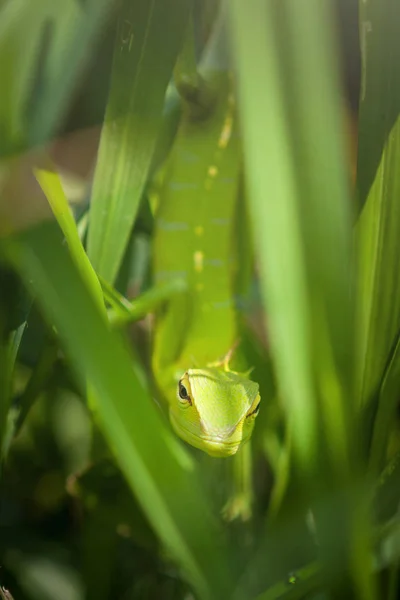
x=51 y=185
x=304 y=254
x=378 y=229
x=46 y=45
x=299 y=198
x=20 y=30
x=71 y=38
x=149 y=37
x=9 y=347
x=156 y=466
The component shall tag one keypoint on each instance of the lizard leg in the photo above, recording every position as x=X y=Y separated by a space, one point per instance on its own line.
x=225 y=360
x=239 y=505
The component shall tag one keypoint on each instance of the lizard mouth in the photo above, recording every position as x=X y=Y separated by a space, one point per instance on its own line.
x=217 y=446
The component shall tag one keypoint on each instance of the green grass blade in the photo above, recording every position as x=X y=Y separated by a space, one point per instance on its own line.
x=15 y=306
x=388 y=399
x=8 y=356
x=74 y=29
x=41 y=374
x=149 y=37
x=20 y=30
x=44 y=46
x=378 y=229
x=299 y=199
x=387 y=491
x=304 y=254
x=154 y=463
x=51 y=185
x=13 y=345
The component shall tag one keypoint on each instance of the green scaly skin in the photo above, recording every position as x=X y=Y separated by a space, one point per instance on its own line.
x=195 y=240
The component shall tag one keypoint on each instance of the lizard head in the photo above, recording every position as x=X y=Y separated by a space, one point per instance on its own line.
x=215 y=410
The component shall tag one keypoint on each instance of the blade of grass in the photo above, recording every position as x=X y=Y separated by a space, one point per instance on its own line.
x=51 y=185
x=20 y=30
x=378 y=228
x=150 y=33
x=8 y=356
x=72 y=37
x=46 y=45
x=387 y=492
x=21 y=406
x=387 y=406
x=4 y=385
x=299 y=197
x=380 y=88
x=378 y=286
x=290 y=302
x=154 y=463
x=293 y=234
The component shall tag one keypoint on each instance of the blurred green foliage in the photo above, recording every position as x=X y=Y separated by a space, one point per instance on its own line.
x=98 y=498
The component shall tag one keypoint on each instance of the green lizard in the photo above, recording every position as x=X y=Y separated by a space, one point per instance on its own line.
x=211 y=407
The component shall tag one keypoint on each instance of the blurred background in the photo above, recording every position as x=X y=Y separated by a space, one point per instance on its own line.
x=78 y=518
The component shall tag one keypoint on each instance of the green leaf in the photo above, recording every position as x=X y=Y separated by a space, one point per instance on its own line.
x=21 y=26
x=47 y=45
x=51 y=185
x=73 y=38
x=299 y=198
x=155 y=464
x=149 y=37
x=380 y=88
x=388 y=399
x=8 y=357
x=378 y=228
x=387 y=491
x=15 y=306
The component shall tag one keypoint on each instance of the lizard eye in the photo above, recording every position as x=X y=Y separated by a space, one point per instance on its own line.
x=254 y=412
x=183 y=393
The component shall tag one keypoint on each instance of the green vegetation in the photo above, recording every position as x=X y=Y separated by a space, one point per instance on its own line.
x=99 y=498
